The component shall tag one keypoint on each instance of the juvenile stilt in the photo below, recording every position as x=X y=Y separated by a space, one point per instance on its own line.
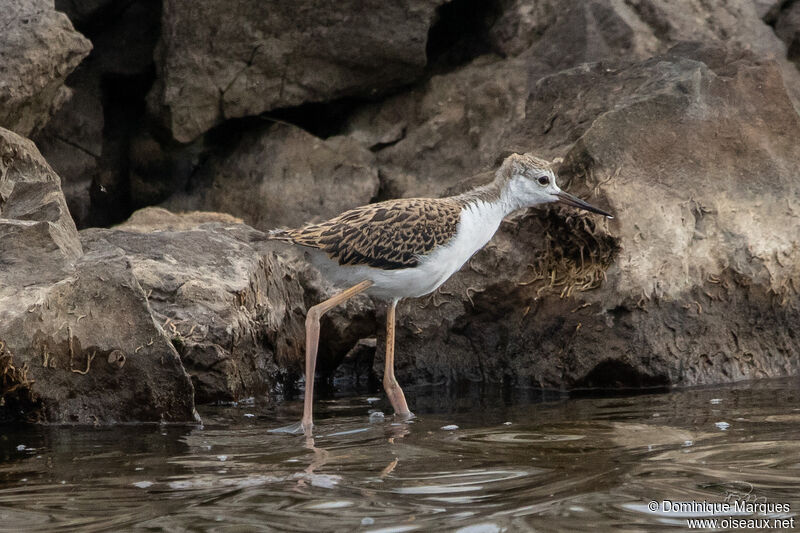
x=312 y=343
x=393 y=390
x=408 y=247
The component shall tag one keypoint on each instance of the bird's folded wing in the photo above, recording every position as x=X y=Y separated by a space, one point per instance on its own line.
x=387 y=235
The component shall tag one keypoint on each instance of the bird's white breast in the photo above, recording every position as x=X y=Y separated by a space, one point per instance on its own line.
x=479 y=222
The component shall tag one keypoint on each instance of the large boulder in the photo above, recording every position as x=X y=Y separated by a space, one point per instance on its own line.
x=260 y=56
x=279 y=175
x=696 y=279
x=38 y=49
x=78 y=343
x=234 y=310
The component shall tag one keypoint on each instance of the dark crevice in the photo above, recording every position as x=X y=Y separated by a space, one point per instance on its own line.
x=618 y=376
x=771 y=17
x=91 y=24
x=460 y=33
x=322 y=119
x=124 y=116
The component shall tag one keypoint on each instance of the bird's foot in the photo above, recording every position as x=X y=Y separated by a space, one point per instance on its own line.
x=298 y=428
x=405 y=415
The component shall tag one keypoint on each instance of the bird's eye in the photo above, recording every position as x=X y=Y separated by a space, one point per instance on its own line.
x=543 y=180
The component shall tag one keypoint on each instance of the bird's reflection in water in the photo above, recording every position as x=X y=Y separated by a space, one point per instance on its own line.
x=320 y=456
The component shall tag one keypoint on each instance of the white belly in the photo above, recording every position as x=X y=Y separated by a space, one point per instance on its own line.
x=478 y=224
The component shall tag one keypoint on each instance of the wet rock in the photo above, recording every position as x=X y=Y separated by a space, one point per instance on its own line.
x=38 y=49
x=234 y=312
x=696 y=279
x=63 y=312
x=356 y=367
x=282 y=176
x=257 y=57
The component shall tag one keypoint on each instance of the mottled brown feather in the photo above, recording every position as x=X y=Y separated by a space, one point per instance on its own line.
x=387 y=235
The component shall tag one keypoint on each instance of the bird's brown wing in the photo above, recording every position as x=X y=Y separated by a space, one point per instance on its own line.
x=387 y=235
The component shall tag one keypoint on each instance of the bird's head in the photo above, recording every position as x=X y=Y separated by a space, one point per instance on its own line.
x=527 y=181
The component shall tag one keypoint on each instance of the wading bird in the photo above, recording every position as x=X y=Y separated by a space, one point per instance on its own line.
x=408 y=247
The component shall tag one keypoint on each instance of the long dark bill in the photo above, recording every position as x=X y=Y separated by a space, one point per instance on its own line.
x=574 y=201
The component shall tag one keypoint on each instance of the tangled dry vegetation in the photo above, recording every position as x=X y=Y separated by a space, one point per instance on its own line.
x=574 y=255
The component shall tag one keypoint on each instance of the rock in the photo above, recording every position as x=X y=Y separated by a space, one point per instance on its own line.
x=696 y=279
x=520 y=24
x=343 y=327
x=787 y=27
x=356 y=367
x=37 y=235
x=81 y=12
x=101 y=142
x=234 y=312
x=257 y=57
x=282 y=176
x=236 y=308
x=62 y=335
x=768 y=9
x=565 y=34
x=63 y=313
x=38 y=49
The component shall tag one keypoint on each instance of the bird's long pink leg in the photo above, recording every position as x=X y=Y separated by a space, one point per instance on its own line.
x=393 y=390
x=312 y=343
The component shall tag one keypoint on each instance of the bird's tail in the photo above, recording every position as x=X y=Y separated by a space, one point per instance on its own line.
x=279 y=234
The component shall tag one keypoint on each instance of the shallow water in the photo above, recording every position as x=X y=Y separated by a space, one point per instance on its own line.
x=481 y=461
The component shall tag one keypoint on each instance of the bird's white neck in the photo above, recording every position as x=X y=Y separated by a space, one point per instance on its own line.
x=497 y=198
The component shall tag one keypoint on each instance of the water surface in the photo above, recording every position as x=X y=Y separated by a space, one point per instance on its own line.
x=475 y=462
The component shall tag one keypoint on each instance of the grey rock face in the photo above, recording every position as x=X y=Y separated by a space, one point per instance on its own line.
x=38 y=49
x=259 y=56
x=282 y=176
